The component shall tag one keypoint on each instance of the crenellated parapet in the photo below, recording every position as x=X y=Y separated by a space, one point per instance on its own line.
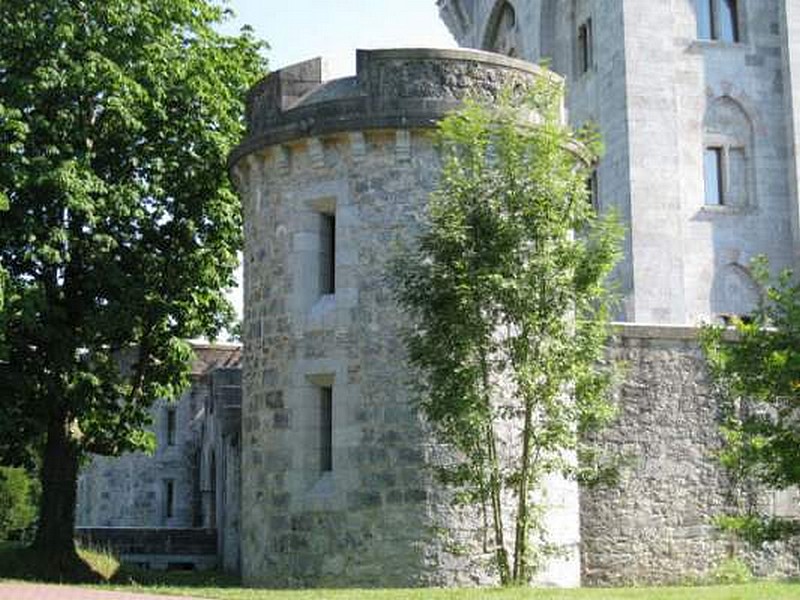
x=399 y=88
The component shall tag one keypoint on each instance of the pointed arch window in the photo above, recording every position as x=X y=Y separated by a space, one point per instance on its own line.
x=728 y=155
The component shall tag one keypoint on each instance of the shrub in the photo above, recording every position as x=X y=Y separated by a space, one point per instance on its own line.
x=731 y=571
x=18 y=495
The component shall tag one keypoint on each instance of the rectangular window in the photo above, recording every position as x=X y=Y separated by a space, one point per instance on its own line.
x=728 y=21
x=171 y=426
x=327 y=266
x=326 y=429
x=591 y=185
x=585 y=47
x=705 y=16
x=718 y=20
x=169 y=498
x=712 y=163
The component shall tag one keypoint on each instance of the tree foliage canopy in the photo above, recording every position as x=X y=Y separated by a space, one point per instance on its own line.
x=116 y=119
x=508 y=293
x=17 y=503
x=758 y=374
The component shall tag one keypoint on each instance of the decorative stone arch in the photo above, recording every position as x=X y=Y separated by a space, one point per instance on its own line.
x=724 y=114
x=729 y=153
x=739 y=96
x=734 y=291
x=502 y=31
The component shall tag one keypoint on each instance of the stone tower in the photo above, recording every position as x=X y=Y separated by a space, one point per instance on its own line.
x=332 y=176
x=698 y=103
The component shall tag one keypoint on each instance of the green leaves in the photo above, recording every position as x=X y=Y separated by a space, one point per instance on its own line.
x=121 y=228
x=757 y=370
x=510 y=306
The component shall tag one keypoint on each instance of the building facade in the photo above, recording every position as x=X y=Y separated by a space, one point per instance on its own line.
x=335 y=177
x=187 y=490
x=697 y=102
x=696 y=105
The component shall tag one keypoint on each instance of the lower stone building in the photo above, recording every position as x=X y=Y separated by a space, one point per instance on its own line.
x=177 y=507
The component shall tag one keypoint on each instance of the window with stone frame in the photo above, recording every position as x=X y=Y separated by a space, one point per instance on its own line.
x=727 y=161
x=327 y=253
x=718 y=20
x=594 y=191
x=585 y=48
x=169 y=498
x=326 y=429
x=712 y=174
x=171 y=418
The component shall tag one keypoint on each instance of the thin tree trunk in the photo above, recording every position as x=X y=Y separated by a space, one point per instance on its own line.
x=495 y=482
x=55 y=541
x=495 y=487
x=521 y=537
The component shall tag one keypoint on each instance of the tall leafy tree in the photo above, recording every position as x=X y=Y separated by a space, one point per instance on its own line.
x=121 y=233
x=507 y=291
x=757 y=371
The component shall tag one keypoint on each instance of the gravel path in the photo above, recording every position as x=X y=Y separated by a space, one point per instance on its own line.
x=30 y=591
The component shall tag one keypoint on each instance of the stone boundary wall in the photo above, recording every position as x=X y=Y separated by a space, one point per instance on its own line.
x=655 y=527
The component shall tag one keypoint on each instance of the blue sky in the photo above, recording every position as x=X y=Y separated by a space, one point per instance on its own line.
x=297 y=30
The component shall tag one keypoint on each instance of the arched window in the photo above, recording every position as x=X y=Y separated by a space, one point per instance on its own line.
x=503 y=33
x=727 y=154
x=734 y=292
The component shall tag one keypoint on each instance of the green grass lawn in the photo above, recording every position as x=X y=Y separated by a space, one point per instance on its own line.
x=18 y=563
x=755 y=591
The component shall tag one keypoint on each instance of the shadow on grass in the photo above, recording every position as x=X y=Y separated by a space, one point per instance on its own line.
x=127 y=575
x=98 y=566
x=18 y=561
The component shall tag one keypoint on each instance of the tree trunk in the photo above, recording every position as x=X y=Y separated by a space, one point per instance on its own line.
x=55 y=541
x=496 y=489
x=495 y=481
x=521 y=539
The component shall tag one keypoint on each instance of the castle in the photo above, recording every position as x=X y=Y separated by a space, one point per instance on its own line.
x=697 y=103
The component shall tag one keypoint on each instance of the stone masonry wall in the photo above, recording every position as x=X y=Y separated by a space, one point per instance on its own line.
x=359 y=149
x=653 y=88
x=656 y=525
x=130 y=490
x=201 y=460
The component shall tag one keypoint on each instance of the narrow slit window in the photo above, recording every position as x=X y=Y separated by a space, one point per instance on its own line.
x=169 y=498
x=171 y=426
x=585 y=47
x=327 y=254
x=591 y=186
x=326 y=429
x=713 y=176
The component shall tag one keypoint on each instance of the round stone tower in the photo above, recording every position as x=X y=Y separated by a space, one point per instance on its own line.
x=334 y=176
